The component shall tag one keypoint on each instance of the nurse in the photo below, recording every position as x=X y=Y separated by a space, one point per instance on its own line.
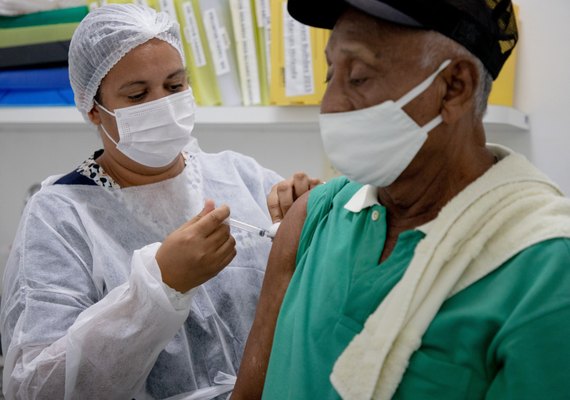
x=124 y=280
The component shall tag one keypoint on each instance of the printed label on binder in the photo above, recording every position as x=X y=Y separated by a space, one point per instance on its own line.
x=262 y=13
x=298 y=61
x=216 y=41
x=247 y=55
x=168 y=7
x=192 y=35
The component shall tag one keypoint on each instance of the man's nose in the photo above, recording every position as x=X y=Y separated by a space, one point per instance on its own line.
x=335 y=100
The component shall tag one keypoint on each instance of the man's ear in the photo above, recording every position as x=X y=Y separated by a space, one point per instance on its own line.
x=94 y=115
x=462 y=80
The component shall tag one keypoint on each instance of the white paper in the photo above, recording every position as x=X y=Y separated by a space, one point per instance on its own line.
x=217 y=41
x=192 y=35
x=299 y=78
x=246 y=51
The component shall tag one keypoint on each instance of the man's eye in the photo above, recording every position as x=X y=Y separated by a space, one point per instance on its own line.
x=357 y=81
x=176 y=87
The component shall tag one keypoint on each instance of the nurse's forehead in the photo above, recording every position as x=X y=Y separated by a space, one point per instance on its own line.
x=176 y=75
x=158 y=65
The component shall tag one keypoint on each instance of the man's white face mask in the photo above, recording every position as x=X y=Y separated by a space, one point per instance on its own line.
x=154 y=133
x=374 y=145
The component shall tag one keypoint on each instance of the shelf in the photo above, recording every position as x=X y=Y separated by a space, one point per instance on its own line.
x=497 y=117
x=501 y=118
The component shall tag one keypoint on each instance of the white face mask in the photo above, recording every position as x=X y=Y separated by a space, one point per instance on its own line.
x=154 y=133
x=376 y=144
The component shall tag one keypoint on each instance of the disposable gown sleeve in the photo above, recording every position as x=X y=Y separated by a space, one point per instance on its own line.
x=111 y=347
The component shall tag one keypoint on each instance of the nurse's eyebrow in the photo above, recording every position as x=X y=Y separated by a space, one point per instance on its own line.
x=132 y=83
x=176 y=73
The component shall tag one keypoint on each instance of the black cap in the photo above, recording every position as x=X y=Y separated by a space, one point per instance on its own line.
x=487 y=28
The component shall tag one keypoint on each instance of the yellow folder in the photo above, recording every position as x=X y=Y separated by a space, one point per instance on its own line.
x=198 y=59
x=298 y=64
x=503 y=90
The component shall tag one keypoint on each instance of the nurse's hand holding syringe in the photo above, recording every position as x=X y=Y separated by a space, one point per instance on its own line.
x=198 y=250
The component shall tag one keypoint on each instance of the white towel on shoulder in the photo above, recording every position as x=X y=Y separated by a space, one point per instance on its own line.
x=511 y=207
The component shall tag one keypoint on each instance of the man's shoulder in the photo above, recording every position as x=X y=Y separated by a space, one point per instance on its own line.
x=545 y=264
x=338 y=190
x=555 y=251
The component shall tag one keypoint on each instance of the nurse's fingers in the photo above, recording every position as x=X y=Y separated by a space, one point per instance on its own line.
x=301 y=184
x=225 y=253
x=284 y=194
x=218 y=237
x=209 y=206
x=314 y=182
x=209 y=219
x=273 y=206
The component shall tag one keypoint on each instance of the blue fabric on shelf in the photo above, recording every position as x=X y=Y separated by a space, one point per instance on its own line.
x=35 y=87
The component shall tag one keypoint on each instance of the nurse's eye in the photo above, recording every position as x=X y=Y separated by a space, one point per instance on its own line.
x=137 y=96
x=177 y=87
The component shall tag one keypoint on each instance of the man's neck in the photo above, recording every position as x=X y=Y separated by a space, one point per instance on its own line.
x=414 y=202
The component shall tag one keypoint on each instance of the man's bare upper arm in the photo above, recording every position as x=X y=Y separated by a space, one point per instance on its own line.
x=280 y=268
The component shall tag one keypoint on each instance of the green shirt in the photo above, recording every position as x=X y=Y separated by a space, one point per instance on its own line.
x=507 y=336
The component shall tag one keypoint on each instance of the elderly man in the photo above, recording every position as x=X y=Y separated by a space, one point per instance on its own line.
x=438 y=268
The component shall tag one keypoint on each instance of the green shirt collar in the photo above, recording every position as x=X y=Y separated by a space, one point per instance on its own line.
x=367 y=196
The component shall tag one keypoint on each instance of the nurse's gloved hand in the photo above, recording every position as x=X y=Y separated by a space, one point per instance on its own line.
x=284 y=193
x=198 y=250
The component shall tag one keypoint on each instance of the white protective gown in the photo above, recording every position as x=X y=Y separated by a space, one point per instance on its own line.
x=84 y=310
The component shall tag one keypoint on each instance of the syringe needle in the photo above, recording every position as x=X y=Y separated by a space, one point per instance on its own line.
x=247 y=227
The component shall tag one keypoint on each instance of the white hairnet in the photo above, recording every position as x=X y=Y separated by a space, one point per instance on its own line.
x=105 y=36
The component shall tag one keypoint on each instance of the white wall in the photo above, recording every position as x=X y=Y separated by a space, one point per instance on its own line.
x=542 y=88
x=542 y=91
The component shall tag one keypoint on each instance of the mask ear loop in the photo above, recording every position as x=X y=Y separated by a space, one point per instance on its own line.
x=104 y=109
x=101 y=125
x=422 y=87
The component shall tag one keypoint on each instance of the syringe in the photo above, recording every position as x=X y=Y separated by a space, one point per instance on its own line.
x=250 y=228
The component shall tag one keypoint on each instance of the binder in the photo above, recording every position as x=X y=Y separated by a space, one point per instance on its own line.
x=243 y=21
x=263 y=46
x=168 y=7
x=148 y=3
x=216 y=17
x=198 y=60
x=298 y=64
